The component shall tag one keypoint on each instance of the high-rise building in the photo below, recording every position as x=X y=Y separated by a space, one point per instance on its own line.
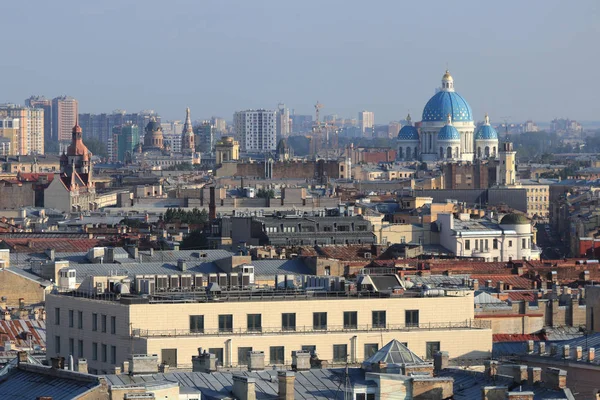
x=64 y=117
x=30 y=138
x=46 y=105
x=9 y=130
x=301 y=123
x=283 y=121
x=206 y=137
x=219 y=123
x=366 y=121
x=256 y=130
x=126 y=140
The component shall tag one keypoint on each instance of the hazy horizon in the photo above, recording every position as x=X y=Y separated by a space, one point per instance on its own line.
x=516 y=60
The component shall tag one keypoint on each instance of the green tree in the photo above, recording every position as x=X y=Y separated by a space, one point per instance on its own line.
x=97 y=147
x=266 y=193
x=194 y=241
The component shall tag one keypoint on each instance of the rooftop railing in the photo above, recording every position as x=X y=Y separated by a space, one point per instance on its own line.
x=309 y=329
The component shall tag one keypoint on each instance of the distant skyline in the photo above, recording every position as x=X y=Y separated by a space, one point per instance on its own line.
x=523 y=60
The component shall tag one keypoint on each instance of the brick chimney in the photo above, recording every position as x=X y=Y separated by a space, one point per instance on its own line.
x=82 y=365
x=519 y=373
x=530 y=346
x=556 y=378
x=256 y=360
x=494 y=393
x=143 y=364
x=286 y=385
x=491 y=368
x=204 y=362
x=591 y=354
x=534 y=375
x=300 y=360
x=520 y=395
x=244 y=387
x=440 y=360
x=542 y=348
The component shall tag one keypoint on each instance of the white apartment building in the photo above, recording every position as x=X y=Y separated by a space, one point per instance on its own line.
x=511 y=239
x=256 y=130
x=366 y=120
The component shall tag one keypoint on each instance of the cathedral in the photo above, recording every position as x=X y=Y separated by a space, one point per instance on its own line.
x=447 y=131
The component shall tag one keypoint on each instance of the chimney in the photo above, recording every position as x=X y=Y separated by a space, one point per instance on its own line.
x=300 y=360
x=181 y=265
x=116 y=370
x=244 y=387
x=553 y=349
x=494 y=392
x=566 y=351
x=530 y=346
x=50 y=254
x=556 y=378
x=21 y=303
x=440 y=360
x=542 y=348
x=256 y=360
x=286 y=385
x=82 y=365
x=488 y=283
x=212 y=205
x=204 y=362
x=528 y=395
x=534 y=375
x=475 y=284
x=22 y=357
x=143 y=364
x=519 y=373
x=57 y=362
x=591 y=354
x=500 y=286
x=491 y=368
x=125 y=368
x=579 y=352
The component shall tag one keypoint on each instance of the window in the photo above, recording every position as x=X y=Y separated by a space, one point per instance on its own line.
x=320 y=321
x=218 y=352
x=226 y=323
x=370 y=349
x=524 y=243
x=340 y=352
x=276 y=355
x=197 y=323
x=80 y=319
x=104 y=353
x=365 y=396
x=57 y=344
x=467 y=244
x=288 y=321
x=254 y=323
x=94 y=322
x=71 y=318
x=310 y=348
x=431 y=348
x=378 y=319
x=80 y=348
x=411 y=318
x=350 y=319
x=495 y=244
x=510 y=243
x=57 y=316
x=113 y=325
x=103 y=322
x=327 y=270
x=113 y=354
x=71 y=346
x=243 y=355
x=95 y=351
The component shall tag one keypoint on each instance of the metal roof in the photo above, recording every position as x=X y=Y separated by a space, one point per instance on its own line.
x=17 y=328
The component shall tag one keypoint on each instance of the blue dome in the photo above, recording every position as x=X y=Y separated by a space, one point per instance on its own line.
x=408 y=132
x=448 y=132
x=486 y=132
x=444 y=103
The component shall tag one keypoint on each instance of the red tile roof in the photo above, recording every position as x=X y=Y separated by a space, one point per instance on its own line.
x=496 y=338
x=37 y=245
x=517 y=282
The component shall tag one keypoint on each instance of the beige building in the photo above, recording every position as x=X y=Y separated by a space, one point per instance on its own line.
x=30 y=129
x=538 y=196
x=10 y=129
x=227 y=149
x=106 y=329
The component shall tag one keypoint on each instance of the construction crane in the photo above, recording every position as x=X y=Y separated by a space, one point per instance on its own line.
x=318 y=107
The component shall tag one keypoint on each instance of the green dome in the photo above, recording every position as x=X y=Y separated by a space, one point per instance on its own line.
x=514 y=219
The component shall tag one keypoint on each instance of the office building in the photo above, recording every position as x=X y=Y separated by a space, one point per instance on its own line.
x=64 y=117
x=256 y=130
x=30 y=138
x=126 y=140
x=206 y=137
x=283 y=121
x=220 y=124
x=100 y=126
x=366 y=120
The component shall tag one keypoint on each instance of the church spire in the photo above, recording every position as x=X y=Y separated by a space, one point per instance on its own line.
x=187 y=136
x=187 y=127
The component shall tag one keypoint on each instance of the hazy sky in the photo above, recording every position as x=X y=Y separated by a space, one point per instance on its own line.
x=536 y=59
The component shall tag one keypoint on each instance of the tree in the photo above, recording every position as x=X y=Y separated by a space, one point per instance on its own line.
x=194 y=241
x=97 y=147
x=266 y=193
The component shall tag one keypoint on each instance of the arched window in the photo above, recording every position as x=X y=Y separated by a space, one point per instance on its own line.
x=400 y=154
x=416 y=153
x=408 y=155
x=449 y=152
x=479 y=152
x=494 y=151
x=441 y=153
x=487 y=151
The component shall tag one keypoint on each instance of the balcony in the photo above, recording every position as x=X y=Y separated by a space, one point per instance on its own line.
x=459 y=325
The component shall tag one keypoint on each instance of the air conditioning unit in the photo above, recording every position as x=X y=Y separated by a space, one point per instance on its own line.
x=99 y=287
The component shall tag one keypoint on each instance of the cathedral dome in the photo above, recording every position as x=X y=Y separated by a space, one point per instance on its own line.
x=153 y=126
x=445 y=102
x=408 y=132
x=486 y=131
x=448 y=132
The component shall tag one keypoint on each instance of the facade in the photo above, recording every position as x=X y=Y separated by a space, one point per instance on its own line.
x=100 y=126
x=506 y=172
x=486 y=141
x=227 y=149
x=126 y=139
x=284 y=126
x=10 y=130
x=105 y=330
x=206 y=137
x=65 y=110
x=256 y=130
x=30 y=135
x=510 y=239
x=46 y=105
x=366 y=121
x=538 y=196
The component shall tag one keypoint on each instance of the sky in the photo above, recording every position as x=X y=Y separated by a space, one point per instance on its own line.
x=514 y=59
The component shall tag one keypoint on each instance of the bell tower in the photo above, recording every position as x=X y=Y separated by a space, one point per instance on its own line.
x=505 y=172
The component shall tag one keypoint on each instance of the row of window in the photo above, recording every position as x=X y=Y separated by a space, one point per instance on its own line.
x=482 y=244
x=288 y=321
x=103 y=320
x=102 y=356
